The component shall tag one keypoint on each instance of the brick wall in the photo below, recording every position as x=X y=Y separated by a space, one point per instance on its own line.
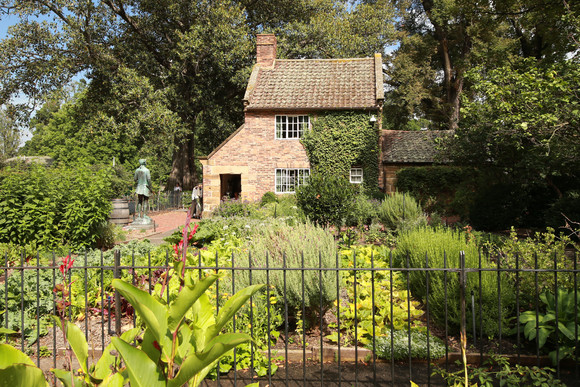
x=254 y=153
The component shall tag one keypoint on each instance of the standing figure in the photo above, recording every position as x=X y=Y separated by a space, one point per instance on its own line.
x=143 y=179
x=196 y=197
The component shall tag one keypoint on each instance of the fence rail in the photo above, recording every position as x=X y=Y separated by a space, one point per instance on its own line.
x=316 y=342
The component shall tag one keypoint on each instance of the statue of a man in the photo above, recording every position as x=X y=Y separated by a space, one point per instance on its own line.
x=143 y=179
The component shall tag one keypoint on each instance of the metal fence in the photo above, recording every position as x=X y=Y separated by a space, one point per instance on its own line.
x=27 y=286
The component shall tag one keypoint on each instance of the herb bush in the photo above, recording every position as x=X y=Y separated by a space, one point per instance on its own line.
x=286 y=208
x=400 y=348
x=293 y=243
x=400 y=211
x=326 y=199
x=545 y=247
x=437 y=244
x=53 y=206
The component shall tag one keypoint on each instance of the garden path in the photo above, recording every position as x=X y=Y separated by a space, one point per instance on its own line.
x=166 y=222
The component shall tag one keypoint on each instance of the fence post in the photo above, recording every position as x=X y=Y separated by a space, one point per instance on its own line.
x=463 y=319
x=117 y=274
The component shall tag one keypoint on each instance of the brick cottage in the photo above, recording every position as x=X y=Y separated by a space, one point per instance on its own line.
x=282 y=99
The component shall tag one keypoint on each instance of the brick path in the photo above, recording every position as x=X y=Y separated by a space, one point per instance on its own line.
x=166 y=222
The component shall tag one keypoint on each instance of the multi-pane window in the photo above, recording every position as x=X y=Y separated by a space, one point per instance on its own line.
x=356 y=175
x=290 y=127
x=287 y=180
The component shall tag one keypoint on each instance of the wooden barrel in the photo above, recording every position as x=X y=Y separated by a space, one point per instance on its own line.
x=120 y=212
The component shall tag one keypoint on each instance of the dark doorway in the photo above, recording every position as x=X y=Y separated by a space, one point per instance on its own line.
x=230 y=186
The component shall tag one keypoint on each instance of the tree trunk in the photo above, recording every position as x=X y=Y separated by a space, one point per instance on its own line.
x=183 y=166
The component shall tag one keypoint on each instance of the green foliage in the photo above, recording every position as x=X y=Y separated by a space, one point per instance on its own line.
x=435 y=187
x=523 y=121
x=339 y=141
x=171 y=340
x=268 y=197
x=285 y=207
x=373 y=317
x=497 y=369
x=400 y=347
x=400 y=211
x=53 y=207
x=364 y=211
x=9 y=135
x=566 y=310
x=547 y=249
x=326 y=199
x=442 y=248
x=568 y=205
x=289 y=247
x=235 y=207
x=15 y=366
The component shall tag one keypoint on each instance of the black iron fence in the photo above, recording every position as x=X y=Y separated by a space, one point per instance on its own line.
x=336 y=324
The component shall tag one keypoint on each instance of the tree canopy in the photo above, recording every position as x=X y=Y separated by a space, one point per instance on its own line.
x=193 y=58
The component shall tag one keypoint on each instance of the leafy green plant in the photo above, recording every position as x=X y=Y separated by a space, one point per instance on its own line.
x=442 y=248
x=363 y=212
x=373 y=316
x=567 y=314
x=175 y=351
x=268 y=197
x=326 y=199
x=400 y=347
x=16 y=366
x=400 y=211
x=543 y=249
x=497 y=369
x=53 y=206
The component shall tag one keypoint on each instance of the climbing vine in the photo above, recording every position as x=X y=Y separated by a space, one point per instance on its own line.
x=339 y=141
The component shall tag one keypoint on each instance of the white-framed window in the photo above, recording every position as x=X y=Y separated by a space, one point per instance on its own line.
x=291 y=127
x=356 y=175
x=287 y=179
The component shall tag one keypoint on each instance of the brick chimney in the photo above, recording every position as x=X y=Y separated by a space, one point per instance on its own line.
x=265 y=49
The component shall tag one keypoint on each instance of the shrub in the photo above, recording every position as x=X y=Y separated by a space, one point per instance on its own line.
x=545 y=248
x=53 y=206
x=401 y=211
x=268 y=197
x=444 y=244
x=284 y=207
x=235 y=207
x=568 y=205
x=400 y=348
x=326 y=199
x=364 y=211
x=438 y=182
x=302 y=242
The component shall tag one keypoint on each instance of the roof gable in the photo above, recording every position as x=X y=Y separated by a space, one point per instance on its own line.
x=316 y=84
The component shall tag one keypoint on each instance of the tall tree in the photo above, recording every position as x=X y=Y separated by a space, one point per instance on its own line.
x=442 y=39
x=9 y=134
x=199 y=53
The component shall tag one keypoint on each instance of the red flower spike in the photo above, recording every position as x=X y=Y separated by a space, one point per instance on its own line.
x=192 y=233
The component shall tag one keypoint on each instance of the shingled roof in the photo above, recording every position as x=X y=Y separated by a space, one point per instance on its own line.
x=316 y=84
x=401 y=146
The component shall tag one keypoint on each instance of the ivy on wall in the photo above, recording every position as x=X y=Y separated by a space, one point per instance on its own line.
x=339 y=141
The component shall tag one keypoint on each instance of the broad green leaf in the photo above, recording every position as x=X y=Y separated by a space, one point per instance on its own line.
x=77 y=341
x=10 y=355
x=65 y=378
x=113 y=380
x=231 y=308
x=103 y=366
x=22 y=375
x=203 y=319
x=6 y=331
x=142 y=371
x=543 y=334
x=568 y=333
x=196 y=362
x=186 y=298
x=151 y=311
